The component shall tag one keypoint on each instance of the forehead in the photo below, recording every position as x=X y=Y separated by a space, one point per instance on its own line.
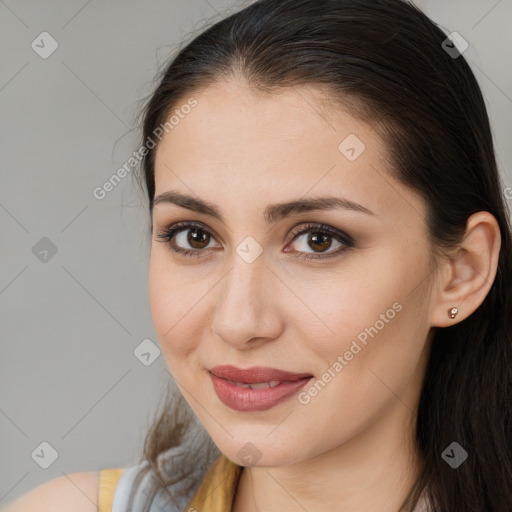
x=285 y=144
x=232 y=112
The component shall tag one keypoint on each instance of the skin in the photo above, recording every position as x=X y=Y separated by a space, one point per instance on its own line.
x=351 y=447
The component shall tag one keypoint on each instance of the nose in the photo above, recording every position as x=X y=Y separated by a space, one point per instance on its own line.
x=247 y=312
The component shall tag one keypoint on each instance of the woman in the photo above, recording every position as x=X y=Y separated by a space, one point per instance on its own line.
x=330 y=270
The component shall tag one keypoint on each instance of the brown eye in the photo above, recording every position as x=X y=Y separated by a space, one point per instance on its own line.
x=314 y=241
x=186 y=238
x=196 y=237
x=319 y=242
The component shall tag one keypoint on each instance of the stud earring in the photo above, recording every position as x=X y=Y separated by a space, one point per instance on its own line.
x=452 y=313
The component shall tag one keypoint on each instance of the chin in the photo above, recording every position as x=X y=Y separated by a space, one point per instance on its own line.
x=256 y=451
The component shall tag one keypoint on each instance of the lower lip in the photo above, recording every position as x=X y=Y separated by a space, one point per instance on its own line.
x=247 y=399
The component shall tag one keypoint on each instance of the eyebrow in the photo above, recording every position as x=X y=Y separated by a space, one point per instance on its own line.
x=273 y=212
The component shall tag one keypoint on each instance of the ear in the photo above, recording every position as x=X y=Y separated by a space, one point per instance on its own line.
x=468 y=272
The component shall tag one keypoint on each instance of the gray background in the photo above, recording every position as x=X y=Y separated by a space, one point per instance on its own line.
x=70 y=324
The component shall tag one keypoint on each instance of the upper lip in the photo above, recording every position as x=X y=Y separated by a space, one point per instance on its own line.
x=255 y=374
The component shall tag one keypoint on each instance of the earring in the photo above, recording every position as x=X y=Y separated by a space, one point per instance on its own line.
x=452 y=313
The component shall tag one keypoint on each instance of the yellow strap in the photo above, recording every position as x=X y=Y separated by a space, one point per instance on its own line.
x=217 y=490
x=108 y=482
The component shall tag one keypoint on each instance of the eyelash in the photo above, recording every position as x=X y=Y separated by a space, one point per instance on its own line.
x=167 y=234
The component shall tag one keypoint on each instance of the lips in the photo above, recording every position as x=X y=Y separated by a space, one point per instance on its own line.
x=257 y=388
x=255 y=374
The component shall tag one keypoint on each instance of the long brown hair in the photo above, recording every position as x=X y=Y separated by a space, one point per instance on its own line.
x=386 y=61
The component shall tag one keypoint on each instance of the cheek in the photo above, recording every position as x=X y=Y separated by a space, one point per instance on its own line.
x=167 y=312
x=371 y=310
x=177 y=300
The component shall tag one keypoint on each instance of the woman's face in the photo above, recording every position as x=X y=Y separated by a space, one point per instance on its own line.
x=354 y=317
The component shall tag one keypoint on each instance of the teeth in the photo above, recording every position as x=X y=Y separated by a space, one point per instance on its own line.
x=259 y=385
x=240 y=384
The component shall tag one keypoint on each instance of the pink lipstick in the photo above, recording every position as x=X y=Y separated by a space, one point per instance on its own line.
x=257 y=388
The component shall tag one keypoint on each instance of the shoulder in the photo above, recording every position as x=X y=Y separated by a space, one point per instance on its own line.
x=76 y=491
